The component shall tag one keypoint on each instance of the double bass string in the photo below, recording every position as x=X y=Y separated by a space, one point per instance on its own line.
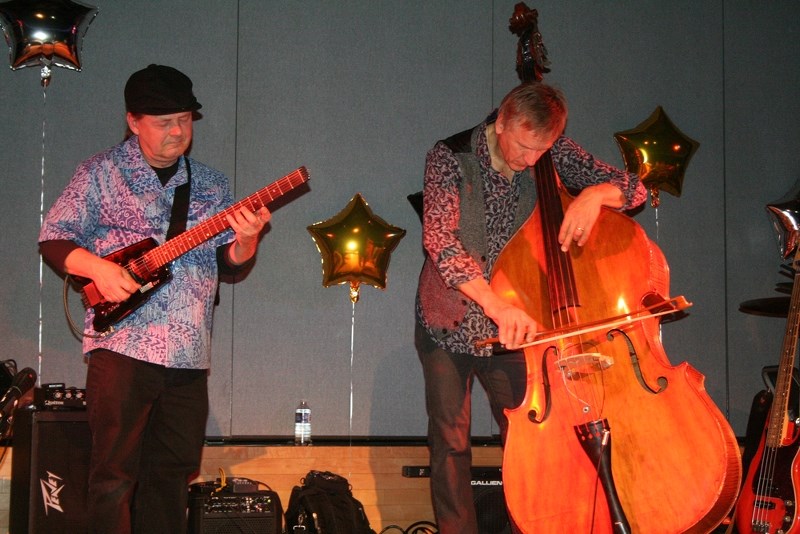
x=579 y=379
x=576 y=367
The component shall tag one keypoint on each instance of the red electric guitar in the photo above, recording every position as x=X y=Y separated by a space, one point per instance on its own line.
x=768 y=500
x=148 y=262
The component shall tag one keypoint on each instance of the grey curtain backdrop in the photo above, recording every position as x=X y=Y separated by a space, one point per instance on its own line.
x=357 y=91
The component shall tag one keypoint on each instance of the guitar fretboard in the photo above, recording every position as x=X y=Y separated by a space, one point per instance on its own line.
x=156 y=258
x=778 y=418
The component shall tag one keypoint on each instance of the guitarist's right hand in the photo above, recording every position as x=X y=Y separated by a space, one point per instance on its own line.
x=113 y=281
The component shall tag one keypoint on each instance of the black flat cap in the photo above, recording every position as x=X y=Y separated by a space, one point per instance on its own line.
x=159 y=90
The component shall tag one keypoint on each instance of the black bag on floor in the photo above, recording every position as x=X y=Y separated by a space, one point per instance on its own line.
x=324 y=504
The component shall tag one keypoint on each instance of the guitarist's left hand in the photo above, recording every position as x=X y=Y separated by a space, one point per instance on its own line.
x=248 y=226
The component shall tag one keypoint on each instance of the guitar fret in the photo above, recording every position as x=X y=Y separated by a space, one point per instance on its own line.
x=158 y=257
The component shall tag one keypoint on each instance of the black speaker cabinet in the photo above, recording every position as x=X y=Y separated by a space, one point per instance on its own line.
x=49 y=471
x=490 y=501
x=487 y=495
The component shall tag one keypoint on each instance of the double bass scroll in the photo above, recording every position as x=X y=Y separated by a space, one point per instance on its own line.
x=532 y=60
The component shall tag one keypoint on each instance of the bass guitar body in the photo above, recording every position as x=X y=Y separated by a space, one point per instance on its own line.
x=768 y=500
x=107 y=313
x=611 y=438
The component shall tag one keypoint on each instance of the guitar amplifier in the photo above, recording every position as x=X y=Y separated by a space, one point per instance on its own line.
x=487 y=496
x=49 y=472
x=490 y=500
x=231 y=511
x=57 y=396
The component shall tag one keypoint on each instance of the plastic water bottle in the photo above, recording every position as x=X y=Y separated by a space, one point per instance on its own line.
x=302 y=424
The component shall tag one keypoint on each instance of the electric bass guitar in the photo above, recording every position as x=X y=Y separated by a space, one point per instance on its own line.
x=148 y=262
x=768 y=500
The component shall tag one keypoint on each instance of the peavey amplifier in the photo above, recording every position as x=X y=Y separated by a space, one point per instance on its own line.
x=49 y=472
x=236 y=508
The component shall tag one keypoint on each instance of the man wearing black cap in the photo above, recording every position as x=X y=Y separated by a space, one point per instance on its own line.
x=146 y=386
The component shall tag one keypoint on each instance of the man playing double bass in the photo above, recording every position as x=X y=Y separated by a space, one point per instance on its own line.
x=478 y=191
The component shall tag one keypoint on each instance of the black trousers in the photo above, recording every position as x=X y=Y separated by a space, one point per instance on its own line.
x=148 y=427
x=449 y=379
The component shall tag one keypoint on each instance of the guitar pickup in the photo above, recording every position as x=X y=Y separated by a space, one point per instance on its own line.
x=765 y=504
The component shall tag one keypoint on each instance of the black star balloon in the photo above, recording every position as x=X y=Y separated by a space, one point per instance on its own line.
x=658 y=152
x=45 y=33
x=355 y=245
x=785 y=216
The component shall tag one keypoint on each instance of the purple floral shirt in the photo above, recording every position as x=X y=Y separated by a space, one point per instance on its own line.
x=576 y=168
x=115 y=199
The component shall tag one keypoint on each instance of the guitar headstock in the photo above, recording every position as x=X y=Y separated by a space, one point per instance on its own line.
x=532 y=62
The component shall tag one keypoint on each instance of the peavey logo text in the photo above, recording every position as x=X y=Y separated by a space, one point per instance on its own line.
x=51 y=491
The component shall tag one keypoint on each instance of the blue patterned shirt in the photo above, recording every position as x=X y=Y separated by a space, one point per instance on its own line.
x=115 y=199
x=576 y=169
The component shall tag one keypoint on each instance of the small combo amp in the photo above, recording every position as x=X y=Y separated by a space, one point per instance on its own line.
x=237 y=507
x=487 y=496
x=59 y=397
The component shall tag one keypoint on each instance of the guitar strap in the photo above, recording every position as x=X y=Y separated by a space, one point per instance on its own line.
x=180 y=211
x=180 y=205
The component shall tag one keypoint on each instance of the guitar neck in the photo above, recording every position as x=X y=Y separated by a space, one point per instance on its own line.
x=161 y=255
x=778 y=427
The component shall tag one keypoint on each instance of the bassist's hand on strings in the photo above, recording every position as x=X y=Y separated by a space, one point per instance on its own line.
x=515 y=326
x=582 y=213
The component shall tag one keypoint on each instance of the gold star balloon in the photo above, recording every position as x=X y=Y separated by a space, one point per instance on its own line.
x=355 y=245
x=658 y=152
x=45 y=33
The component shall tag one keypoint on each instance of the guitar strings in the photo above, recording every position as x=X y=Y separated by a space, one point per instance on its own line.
x=171 y=249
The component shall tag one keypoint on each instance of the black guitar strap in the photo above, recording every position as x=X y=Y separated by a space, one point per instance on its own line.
x=180 y=205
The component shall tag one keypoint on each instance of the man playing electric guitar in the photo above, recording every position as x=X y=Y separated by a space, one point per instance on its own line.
x=146 y=386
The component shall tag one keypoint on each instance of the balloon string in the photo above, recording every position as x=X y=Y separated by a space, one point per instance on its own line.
x=352 y=337
x=41 y=222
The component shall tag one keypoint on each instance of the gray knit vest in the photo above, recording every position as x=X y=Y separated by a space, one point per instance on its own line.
x=444 y=307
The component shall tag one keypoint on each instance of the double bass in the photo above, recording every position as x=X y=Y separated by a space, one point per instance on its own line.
x=610 y=437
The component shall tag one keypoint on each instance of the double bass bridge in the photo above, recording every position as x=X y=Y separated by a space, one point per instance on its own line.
x=581 y=368
x=575 y=366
